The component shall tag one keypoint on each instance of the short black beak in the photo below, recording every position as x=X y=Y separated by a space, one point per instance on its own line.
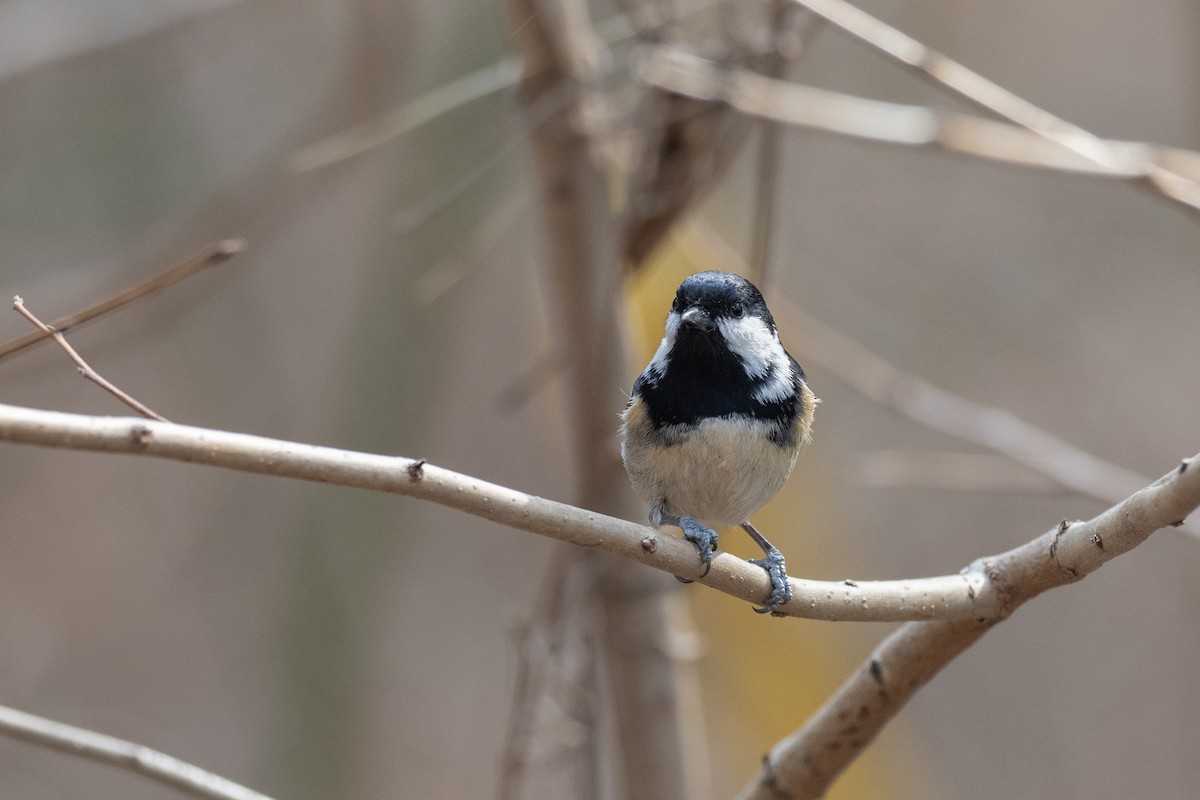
x=697 y=318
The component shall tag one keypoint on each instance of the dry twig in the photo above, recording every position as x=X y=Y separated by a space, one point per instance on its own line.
x=957 y=471
x=217 y=254
x=810 y=107
x=104 y=749
x=429 y=106
x=84 y=369
x=978 y=89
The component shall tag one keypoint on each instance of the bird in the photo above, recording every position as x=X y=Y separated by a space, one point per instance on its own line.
x=715 y=422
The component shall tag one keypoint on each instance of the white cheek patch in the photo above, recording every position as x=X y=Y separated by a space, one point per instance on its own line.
x=761 y=354
x=658 y=365
x=753 y=343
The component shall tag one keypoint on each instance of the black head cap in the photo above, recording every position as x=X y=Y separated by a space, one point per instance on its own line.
x=722 y=294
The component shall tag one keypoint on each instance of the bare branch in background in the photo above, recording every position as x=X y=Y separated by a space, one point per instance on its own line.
x=217 y=254
x=804 y=764
x=84 y=369
x=994 y=428
x=136 y=758
x=959 y=472
x=429 y=106
x=451 y=267
x=408 y=117
x=685 y=146
x=949 y=73
x=554 y=709
x=892 y=123
x=561 y=56
x=792 y=30
x=685 y=143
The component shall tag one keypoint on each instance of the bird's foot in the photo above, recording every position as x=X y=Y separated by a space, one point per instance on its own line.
x=705 y=540
x=781 y=591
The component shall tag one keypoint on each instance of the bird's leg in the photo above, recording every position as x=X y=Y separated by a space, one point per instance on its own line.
x=703 y=537
x=772 y=562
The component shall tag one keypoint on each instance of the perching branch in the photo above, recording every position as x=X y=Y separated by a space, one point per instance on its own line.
x=975 y=594
x=804 y=764
x=84 y=368
x=157 y=766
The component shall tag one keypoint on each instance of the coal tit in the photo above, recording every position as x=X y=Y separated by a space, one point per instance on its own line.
x=716 y=420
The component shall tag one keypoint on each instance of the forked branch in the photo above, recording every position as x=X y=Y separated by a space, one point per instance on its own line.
x=85 y=369
x=805 y=763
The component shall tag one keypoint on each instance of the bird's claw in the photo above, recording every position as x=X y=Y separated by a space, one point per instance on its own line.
x=781 y=589
x=705 y=540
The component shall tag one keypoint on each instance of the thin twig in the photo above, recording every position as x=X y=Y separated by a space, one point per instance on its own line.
x=525 y=383
x=451 y=266
x=84 y=368
x=104 y=749
x=217 y=254
x=962 y=472
x=789 y=39
x=990 y=95
x=429 y=106
x=765 y=197
x=408 y=117
x=892 y=123
x=994 y=428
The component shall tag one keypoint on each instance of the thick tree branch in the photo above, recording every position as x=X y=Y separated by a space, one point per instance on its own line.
x=561 y=58
x=137 y=758
x=804 y=764
x=977 y=594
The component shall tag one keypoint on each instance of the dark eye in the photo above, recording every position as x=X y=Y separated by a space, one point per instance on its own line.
x=738 y=310
x=678 y=304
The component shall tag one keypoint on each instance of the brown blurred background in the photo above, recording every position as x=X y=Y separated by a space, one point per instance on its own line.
x=316 y=642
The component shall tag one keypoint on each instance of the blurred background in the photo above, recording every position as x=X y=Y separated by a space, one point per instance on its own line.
x=317 y=642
